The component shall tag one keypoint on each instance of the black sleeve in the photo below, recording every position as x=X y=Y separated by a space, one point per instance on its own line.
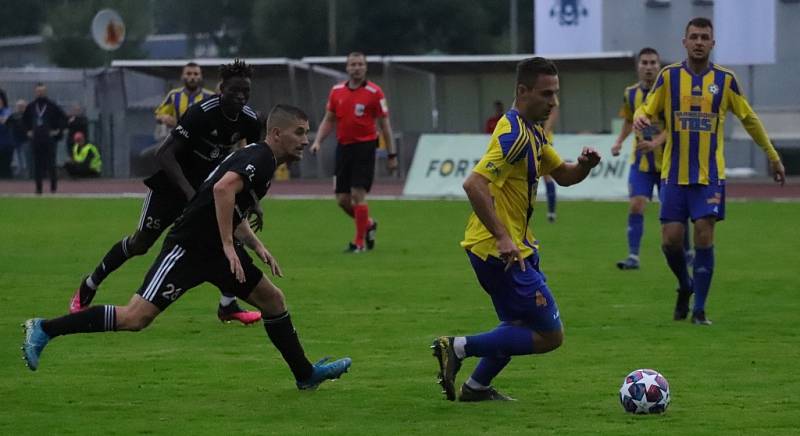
x=253 y=131
x=194 y=123
x=253 y=167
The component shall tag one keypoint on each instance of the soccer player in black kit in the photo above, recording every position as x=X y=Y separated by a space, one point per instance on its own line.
x=206 y=133
x=201 y=247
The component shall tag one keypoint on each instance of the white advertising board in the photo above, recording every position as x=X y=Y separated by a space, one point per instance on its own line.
x=443 y=161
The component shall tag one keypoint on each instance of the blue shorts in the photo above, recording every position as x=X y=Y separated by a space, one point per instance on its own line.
x=642 y=183
x=518 y=295
x=681 y=202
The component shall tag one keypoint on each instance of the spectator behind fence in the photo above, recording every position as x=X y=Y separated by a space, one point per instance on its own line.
x=44 y=121
x=22 y=154
x=491 y=122
x=84 y=161
x=76 y=122
x=6 y=140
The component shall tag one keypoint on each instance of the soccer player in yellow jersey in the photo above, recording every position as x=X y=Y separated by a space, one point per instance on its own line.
x=499 y=243
x=695 y=96
x=179 y=99
x=645 y=171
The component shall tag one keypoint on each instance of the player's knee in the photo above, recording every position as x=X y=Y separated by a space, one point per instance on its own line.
x=549 y=341
x=139 y=243
x=344 y=202
x=132 y=321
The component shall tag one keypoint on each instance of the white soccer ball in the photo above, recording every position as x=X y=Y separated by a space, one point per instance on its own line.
x=644 y=391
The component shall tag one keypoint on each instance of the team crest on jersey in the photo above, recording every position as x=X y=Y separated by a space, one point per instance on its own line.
x=214 y=153
x=250 y=169
x=360 y=109
x=493 y=168
x=214 y=132
x=713 y=88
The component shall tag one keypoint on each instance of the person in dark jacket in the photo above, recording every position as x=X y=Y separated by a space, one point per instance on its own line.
x=44 y=120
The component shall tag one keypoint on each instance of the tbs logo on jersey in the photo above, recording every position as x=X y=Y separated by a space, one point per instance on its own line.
x=696 y=121
x=250 y=169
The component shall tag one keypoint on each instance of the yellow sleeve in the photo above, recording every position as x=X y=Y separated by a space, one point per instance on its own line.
x=166 y=107
x=509 y=142
x=626 y=111
x=550 y=160
x=654 y=104
x=741 y=108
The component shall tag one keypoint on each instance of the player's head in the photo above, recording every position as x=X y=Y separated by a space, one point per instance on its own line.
x=537 y=88
x=648 y=64
x=699 y=39
x=235 y=86
x=20 y=105
x=192 y=76
x=499 y=109
x=79 y=138
x=40 y=90
x=287 y=131
x=356 y=66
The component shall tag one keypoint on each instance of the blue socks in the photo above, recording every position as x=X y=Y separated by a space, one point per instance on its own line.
x=505 y=340
x=488 y=368
x=635 y=230
x=551 y=196
x=703 y=270
x=676 y=259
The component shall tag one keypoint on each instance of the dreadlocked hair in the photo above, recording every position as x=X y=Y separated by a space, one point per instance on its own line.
x=237 y=69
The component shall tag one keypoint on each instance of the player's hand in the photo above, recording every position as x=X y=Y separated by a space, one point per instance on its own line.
x=270 y=260
x=615 y=149
x=509 y=252
x=234 y=262
x=314 y=147
x=778 y=172
x=391 y=164
x=641 y=122
x=589 y=157
x=646 y=146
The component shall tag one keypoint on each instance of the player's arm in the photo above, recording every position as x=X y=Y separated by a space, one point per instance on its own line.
x=167 y=161
x=388 y=138
x=246 y=234
x=165 y=112
x=653 y=104
x=326 y=126
x=627 y=128
x=225 y=191
x=480 y=197
x=752 y=124
x=570 y=173
x=646 y=145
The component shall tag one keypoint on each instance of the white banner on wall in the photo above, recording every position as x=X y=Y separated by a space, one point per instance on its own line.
x=744 y=32
x=442 y=162
x=568 y=26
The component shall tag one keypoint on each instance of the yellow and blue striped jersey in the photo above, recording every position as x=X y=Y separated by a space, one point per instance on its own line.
x=695 y=106
x=179 y=99
x=649 y=162
x=518 y=154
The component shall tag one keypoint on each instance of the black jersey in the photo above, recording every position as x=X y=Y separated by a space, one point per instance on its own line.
x=210 y=135
x=197 y=227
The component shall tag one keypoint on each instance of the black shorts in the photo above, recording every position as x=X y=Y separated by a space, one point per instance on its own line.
x=178 y=269
x=355 y=166
x=160 y=210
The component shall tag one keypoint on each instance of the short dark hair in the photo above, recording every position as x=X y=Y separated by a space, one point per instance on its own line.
x=282 y=114
x=191 y=64
x=647 y=50
x=237 y=69
x=701 y=22
x=528 y=70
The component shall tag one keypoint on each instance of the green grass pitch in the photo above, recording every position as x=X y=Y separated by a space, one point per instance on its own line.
x=189 y=374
